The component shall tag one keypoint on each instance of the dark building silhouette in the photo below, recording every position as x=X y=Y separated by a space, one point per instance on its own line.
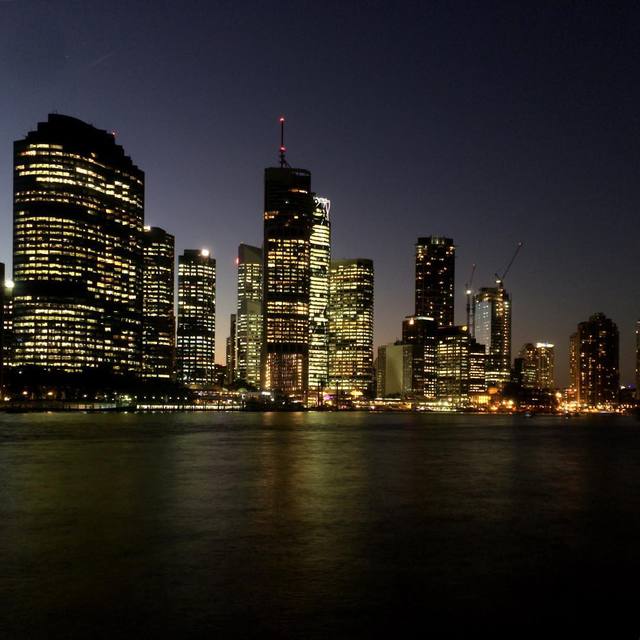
x=435 y=279
x=196 y=344
x=159 y=323
x=288 y=221
x=230 y=350
x=422 y=334
x=78 y=217
x=596 y=347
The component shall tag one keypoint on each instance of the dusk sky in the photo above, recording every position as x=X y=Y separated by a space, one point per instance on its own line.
x=490 y=123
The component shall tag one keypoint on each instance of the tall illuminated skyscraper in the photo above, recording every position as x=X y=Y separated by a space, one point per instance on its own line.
x=492 y=320
x=537 y=366
x=196 y=318
x=288 y=221
x=461 y=367
x=597 y=375
x=351 y=326
x=78 y=217
x=159 y=322
x=435 y=279
x=248 y=345
x=320 y=244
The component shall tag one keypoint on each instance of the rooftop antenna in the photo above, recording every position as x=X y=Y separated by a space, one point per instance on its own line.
x=283 y=149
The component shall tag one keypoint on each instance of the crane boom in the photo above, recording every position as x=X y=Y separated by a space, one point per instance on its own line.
x=500 y=279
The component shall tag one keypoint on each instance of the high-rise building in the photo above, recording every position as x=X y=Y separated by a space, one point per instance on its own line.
x=7 y=325
x=158 y=314
x=422 y=334
x=2 y=365
x=288 y=220
x=196 y=318
x=78 y=217
x=320 y=245
x=351 y=326
x=230 y=355
x=535 y=366
x=460 y=367
x=638 y=360
x=394 y=373
x=435 y=279
x=545 y=365
x=248 y=344
x=597 y=376
x=492 y=320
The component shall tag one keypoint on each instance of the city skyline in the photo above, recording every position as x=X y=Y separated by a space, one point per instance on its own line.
x=494 y=199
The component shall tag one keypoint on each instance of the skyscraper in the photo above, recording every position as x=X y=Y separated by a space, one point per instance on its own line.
x=422 y=334
x=638 y=360
x=536 y=366
x=351 y=326
x=77 y=250
x=248 y=344
x=460 y=366
x=493 y=330
x=598 y=377
x=435 y=279
x=395 y=370
x=288 y=220
x=158 y=316
x=320 y=244
x=1 y=328
x=230 y=355
x=196 y=318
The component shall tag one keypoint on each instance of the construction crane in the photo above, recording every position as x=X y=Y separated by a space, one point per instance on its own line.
x=469 y=293
x=500 y=279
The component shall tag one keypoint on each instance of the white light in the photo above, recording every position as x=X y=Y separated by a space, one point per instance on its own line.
x=9 y=284
x=204 y=253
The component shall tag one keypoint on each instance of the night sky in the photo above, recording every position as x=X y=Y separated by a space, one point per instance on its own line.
x=487 y=122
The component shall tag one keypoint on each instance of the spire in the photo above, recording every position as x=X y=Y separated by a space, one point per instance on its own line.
x=283 y=149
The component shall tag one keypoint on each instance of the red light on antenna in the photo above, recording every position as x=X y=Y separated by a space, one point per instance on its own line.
x=283 y=149
x=281 y=118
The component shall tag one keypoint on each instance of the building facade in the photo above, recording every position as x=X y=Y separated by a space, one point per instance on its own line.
x=248 y=333
x=492 y=328
x=394 y=372
x=422 y=334
x=461 y=367
x=435 y=279
x=288 y=219
x=78 y=215
x=231 y=351
x=597 y=375
x=158 y=299
x=351 y=326
x=320 y=248
x=196 y=345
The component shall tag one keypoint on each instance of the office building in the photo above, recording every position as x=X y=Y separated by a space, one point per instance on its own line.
x=288 y=220
x=320 y=247
x=196 y=346
x=596 y=346
x=535 y=366
x=230 y=353
x=435 y=279
x=492 y=320
x=351 y=326
x=248 y=340
x=77 y=250
x=394 y=372
x=422 y=334
x=158 y=315
x=638 y=360
x=461 y=367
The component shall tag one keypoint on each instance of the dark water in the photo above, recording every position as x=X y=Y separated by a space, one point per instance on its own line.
x=318 y=525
